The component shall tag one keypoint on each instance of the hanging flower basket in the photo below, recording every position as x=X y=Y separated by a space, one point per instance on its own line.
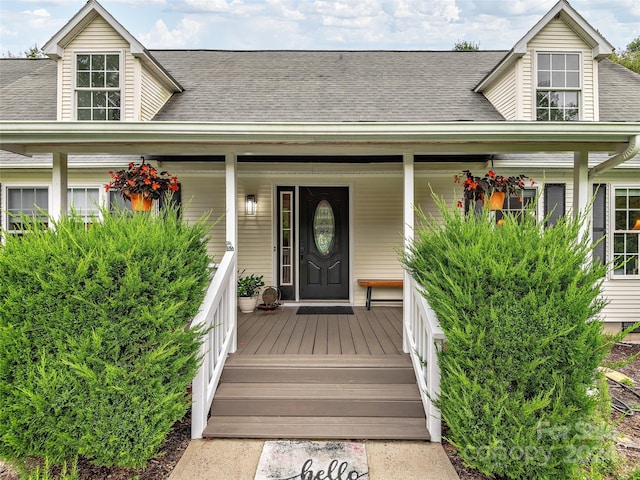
x=140 y=203
x=496 y=201
x=491 y=186
x=142 y=183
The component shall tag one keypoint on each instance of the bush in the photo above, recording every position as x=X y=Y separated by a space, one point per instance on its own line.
x=96 y=357
x=518 y=304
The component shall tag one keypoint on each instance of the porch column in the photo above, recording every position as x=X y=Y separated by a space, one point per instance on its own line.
x=581 y=193
x=231 y=237
x=58 y=206
x=409 y=196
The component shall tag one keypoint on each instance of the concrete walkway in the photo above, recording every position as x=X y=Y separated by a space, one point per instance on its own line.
x=231 y=459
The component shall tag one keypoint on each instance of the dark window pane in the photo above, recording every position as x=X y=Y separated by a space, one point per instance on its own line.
x=113 y=63
x=82 y=62
x=114 y=115
x=82 y=79
x=113 y=99
x=84 y=114
x=100 y=114
x=97 y=79
x=97 y=62
x=621 y=220
x=113 y=79
x=84 y=99
x=573 y=79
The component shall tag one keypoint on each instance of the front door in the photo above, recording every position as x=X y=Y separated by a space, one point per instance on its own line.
x=324 y=243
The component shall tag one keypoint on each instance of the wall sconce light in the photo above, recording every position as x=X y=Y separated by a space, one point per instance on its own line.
x=250 y=205
x=637 y=225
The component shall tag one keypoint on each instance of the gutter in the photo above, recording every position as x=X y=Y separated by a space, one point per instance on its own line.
x=631 y=151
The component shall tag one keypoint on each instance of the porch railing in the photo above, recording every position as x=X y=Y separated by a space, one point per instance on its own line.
x=218 y=315
x=423 y=337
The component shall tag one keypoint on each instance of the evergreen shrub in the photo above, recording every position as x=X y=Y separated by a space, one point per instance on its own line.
x=96 y=354
x=519 y=306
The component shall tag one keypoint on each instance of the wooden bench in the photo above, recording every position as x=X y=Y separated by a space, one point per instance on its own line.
x=378 y=282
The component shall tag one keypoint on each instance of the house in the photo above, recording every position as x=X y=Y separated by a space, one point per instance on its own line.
x=331 y=149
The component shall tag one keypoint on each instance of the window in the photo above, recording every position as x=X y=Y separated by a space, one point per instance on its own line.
x=29 y=201
x=558 y=87
x=85 y=201
x=515 y=205
x=98 y=87
x=626 y=232
x=286 y=238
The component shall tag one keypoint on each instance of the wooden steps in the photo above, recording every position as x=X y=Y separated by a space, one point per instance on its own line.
x=318 y=396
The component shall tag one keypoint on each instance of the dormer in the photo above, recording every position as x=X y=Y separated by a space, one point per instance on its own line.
x=104 y=73
x=551 y=74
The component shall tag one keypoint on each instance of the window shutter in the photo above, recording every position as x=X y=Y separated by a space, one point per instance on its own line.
x=554 y=202
x=599 y=223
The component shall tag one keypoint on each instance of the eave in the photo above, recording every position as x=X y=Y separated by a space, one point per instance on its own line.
x=245 y=138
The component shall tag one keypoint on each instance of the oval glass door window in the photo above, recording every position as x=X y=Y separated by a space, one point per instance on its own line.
x=324 y=227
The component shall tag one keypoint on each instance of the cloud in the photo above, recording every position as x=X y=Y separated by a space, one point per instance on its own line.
x=183 y=35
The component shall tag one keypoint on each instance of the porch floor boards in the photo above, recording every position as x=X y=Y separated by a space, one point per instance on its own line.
x=282 y=332
x=319 y=377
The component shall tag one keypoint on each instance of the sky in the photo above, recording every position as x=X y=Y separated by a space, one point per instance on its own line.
x=315 y=24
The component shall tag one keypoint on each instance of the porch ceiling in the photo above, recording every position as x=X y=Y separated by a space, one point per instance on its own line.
x=163 y=138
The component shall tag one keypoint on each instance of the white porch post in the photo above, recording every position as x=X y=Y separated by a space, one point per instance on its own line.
x=59 y=182
x=409 y=196
x=231 y=236
x=581 y=193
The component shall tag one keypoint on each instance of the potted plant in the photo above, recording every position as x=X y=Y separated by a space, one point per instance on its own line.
x=142 y=183
x=492 y=186
x=248 y=287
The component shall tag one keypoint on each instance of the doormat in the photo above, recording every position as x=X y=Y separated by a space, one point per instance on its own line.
x=302 y=460
x=325 y=311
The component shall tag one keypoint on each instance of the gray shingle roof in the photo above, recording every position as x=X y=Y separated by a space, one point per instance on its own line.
x=314 y=86
x=328 y=86
x=27 y=89
x=619 y=93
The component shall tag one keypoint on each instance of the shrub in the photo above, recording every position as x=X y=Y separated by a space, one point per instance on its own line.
x=96 y=357
x=518 y=304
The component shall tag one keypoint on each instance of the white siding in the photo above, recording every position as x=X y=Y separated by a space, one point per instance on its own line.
x=97 y=36
x=377 y=222
x=502 y=95
x=153 y=96
x=556 y=36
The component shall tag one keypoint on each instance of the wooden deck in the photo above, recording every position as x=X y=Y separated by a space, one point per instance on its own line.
x=282 y=332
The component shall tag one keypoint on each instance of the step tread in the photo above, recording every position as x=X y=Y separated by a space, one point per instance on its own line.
x=318 y=427
x=318 y=361
x=290 y=391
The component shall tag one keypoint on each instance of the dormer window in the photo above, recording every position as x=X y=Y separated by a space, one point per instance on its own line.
x=558 y=87
x=98 y=87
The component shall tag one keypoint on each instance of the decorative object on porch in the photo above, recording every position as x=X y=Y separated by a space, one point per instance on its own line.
x=142 y=181
x=328 y=310
x=496 y=186
x=248 y=286
x=270 y=299
x=299 y=460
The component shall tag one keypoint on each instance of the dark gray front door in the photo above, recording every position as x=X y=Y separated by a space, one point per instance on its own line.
x=324 y=243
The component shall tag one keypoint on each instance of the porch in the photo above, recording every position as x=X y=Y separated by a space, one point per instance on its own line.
x=319 y=376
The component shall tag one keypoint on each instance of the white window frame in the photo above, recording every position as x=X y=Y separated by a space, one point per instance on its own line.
x=578 y=89
x=612 y=231
x=77 y=89
x=103 y=196
x=103 y=199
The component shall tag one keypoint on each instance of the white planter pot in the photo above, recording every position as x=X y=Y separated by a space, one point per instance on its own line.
x=247 y=304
